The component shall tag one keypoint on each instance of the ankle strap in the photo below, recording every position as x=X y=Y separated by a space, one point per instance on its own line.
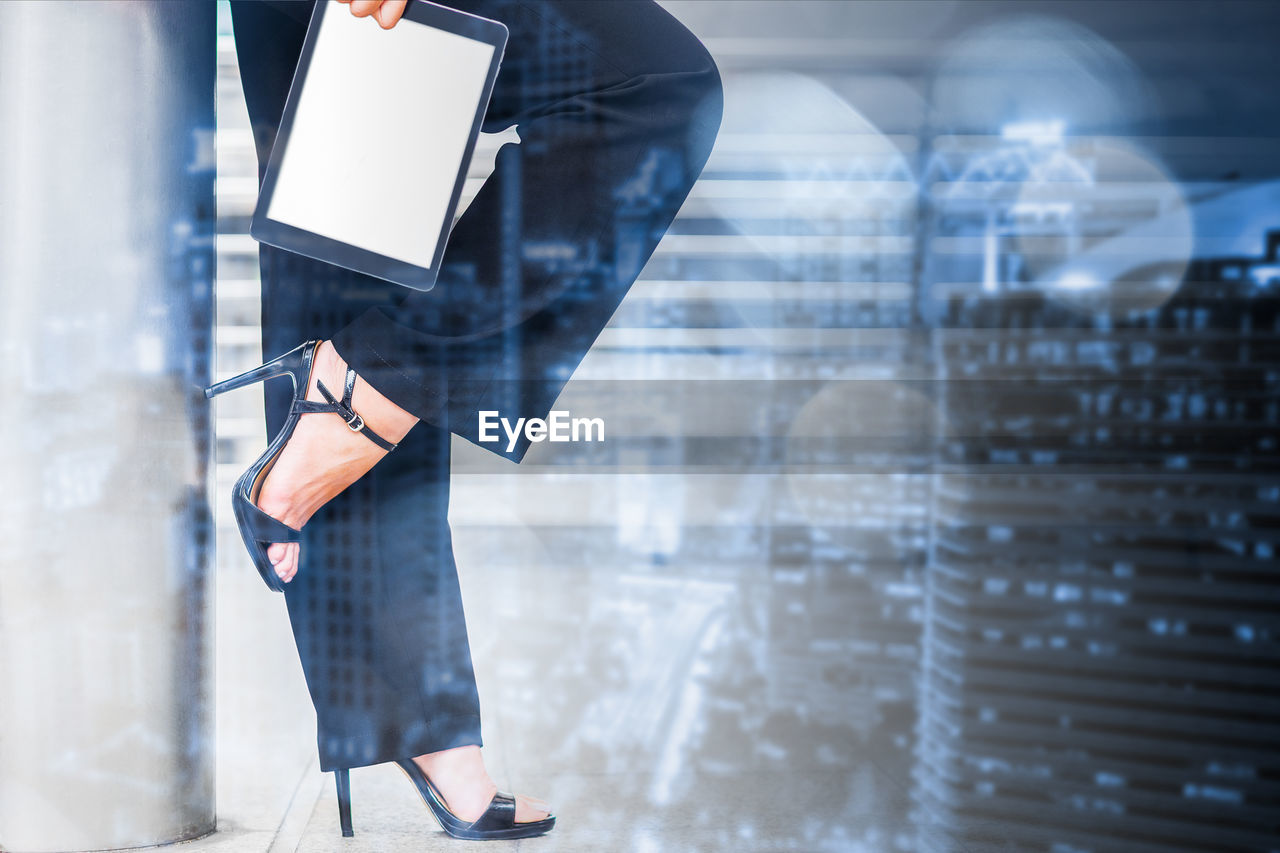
x=342 y=407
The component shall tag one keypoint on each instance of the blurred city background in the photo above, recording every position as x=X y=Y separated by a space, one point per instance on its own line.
x=938 y=505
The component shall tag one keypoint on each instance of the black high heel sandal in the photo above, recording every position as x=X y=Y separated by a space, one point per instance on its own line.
x=498 y=821
x=257 y=529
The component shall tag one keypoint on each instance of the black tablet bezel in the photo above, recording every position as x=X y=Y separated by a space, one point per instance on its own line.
x=333 y=251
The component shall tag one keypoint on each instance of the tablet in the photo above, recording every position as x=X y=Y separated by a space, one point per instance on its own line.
x=377 y=133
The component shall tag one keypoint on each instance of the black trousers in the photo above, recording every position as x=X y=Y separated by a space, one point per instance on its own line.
x=617 y=106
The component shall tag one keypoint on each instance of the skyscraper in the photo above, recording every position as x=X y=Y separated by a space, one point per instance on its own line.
x=1099 y=649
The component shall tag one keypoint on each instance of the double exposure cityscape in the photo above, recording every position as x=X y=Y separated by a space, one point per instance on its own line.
x=938 y=505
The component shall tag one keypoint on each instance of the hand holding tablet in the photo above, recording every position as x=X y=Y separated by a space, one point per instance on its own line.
x=385 y=12
x=320 y=196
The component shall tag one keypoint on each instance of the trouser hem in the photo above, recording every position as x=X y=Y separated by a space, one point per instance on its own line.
x=356 y=346
x=439 y=734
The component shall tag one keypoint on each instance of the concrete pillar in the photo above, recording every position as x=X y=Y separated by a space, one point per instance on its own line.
x=106 y=308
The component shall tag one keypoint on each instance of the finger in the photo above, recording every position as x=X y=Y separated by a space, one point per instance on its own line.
x=390 y=12
x=364 y=8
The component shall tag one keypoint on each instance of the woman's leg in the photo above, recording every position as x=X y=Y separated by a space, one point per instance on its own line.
x=377 y=618
x=616 y=106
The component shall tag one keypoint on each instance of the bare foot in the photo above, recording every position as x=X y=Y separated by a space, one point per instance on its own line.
x=460 y=777
x=324 y=456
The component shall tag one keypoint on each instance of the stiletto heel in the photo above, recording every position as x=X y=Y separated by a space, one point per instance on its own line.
x=343 y=779
x=497 y=822
x=290 y=363
x=257 y=529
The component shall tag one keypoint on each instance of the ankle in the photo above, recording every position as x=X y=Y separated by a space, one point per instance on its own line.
x=377 y=410
x=458 y=761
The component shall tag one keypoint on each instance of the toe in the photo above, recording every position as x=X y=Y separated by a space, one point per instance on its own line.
x=284 y=559
x=276 y=552
x=531 y=809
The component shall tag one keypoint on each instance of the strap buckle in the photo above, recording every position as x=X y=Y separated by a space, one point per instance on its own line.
x=355 y=423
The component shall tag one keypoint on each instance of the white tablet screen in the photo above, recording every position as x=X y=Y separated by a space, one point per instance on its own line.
x=379 y=133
